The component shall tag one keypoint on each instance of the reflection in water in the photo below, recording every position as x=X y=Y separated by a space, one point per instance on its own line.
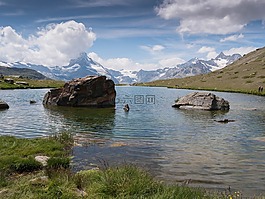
x=88 y=124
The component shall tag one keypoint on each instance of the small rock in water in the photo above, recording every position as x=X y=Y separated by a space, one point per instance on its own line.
x=3 y=105
x=32 y=102
x=224 y=121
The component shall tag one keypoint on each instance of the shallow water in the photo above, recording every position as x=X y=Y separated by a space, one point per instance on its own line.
x=175 y=145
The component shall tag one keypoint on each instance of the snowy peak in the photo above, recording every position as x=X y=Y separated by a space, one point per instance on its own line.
x=82 y=60
x=228 y=58
x=83 y=66
x=221 y=56
x=223 y=60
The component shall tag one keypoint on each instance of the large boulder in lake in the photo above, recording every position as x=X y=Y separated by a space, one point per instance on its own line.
x=203 y=101
x=90 y=91
x=3 y=105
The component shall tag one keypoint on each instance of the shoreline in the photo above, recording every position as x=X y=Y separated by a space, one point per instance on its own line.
x=22 y=176
x=249 y=92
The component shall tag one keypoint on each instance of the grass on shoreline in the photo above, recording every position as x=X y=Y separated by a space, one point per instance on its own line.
x=32 y=83
x=56 y=180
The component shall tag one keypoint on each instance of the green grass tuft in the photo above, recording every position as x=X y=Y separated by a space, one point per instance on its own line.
x=21 y=165
x=58 y=163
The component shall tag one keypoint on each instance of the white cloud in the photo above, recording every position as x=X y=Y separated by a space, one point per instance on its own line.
x=53 y=45
x=240 y=50
x=114 y=63
x=171 y=62
x=153 y=49
x=129 y=64
x=98 y=3
x=232 y=38
x=211 y=52
x=211 y=55
x=206 y=49
x=13 y=13
x=212 y=16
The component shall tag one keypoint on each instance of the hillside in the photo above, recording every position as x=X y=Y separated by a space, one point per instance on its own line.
x=244 y=75
x=23 y=72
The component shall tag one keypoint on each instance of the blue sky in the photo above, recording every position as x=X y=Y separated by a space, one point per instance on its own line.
x=128 y=34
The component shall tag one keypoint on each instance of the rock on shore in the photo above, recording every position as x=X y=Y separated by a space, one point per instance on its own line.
x=203 y=101
x=90 y=91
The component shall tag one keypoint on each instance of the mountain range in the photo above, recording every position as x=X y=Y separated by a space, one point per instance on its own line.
x=247 y=75
x=83 y=66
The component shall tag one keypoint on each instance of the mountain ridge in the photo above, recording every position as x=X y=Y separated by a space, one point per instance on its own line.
x=245 y=75
x=84 y=65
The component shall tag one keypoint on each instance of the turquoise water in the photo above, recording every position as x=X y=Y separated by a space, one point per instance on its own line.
x=174 y=145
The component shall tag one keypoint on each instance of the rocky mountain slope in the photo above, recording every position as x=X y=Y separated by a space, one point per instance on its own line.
x=244 y=75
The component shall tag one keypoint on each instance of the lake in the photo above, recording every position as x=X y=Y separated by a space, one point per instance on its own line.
x=174 y=145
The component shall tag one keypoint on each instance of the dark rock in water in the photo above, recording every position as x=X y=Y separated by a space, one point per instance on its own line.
x=3 y=105
x=32 y=102
x=203 y=101
x=126 y=108
x=90 y=91
x=224 y=121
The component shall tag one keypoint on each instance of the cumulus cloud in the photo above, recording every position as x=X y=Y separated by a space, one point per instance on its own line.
x=171 y=62
x=240 y=50
x=120 y=63
x=52 y=45
x=232 y=38
x=153 y=49
x=129 y=64
x=212 y=16
x=211 y=52
x=206 y=49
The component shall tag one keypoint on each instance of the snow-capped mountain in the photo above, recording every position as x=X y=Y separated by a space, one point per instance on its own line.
x=83 y=66
x=192 y=67
x=79 y=67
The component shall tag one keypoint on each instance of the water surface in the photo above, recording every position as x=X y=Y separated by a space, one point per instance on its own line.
x=174 y=145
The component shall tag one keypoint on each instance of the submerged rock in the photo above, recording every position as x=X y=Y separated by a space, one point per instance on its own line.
x=3 y=105
x=203 y=101
x=90 y=91
x=224 y=121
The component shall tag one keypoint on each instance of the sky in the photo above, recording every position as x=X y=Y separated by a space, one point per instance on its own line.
x=128 y=34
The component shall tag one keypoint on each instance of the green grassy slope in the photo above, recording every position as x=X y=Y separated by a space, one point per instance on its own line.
x=23 y=72
x=32 y=83
x=245 y=75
